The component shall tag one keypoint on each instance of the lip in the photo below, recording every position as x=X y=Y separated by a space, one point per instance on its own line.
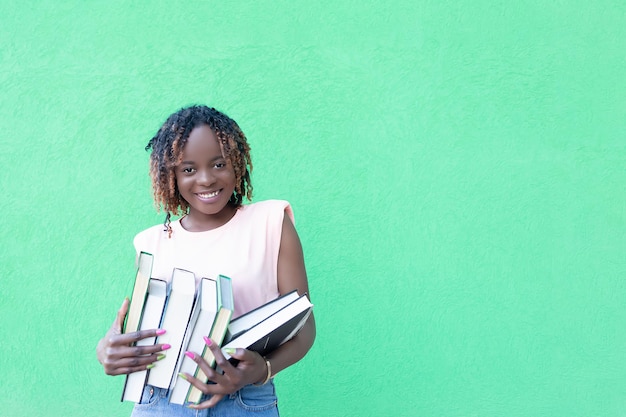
x=208 y=196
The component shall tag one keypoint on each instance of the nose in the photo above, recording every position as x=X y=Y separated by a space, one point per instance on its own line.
x=205 y=177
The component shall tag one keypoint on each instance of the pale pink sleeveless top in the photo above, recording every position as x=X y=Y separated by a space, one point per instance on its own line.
x=244 y=249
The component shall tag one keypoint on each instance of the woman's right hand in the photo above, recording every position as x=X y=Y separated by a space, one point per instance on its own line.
x=116 y=352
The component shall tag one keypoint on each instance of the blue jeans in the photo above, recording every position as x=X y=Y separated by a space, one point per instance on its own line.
x=251 y=400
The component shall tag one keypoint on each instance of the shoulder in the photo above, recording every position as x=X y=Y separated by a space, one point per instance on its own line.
x=269 y=209
x=151 y=234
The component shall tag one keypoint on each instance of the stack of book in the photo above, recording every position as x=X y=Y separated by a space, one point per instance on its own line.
x=188 y=314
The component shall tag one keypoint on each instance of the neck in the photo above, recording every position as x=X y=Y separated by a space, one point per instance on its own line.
x=201 y=222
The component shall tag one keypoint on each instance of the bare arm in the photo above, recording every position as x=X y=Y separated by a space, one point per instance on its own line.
x=251 y=367
x=292 y=276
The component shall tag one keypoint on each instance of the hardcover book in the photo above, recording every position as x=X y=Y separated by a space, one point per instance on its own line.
x=178 y=312
x=272 y=331
x=207 y=301
x=246 y=321
x=140 y=290
x=218 y=332
x=151 y=318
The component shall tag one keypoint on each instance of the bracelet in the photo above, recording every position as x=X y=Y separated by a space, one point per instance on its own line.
x=269 y=374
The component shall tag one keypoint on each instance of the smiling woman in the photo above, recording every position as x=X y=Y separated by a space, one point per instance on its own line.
x=206 y=180
x=200 y=168
x=169 y=152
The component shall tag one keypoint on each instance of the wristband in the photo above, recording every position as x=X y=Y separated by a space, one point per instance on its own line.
x=269 y=374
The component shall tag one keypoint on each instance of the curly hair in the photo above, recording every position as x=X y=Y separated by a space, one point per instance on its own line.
x=167 y=148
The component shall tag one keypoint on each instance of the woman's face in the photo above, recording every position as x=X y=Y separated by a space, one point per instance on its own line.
x=206 y=180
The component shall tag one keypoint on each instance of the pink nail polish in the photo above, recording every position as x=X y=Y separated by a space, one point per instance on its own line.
x=166 y=346
x=207 y=341
x=159 y=332
x=190 y=355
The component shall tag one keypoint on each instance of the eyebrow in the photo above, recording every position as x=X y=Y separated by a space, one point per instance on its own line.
x=212 y=160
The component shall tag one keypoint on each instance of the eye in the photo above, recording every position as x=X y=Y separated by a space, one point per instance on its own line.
x=188 y=170
x=219 y=165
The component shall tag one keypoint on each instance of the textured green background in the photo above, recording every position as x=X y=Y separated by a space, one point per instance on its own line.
x=457 y=172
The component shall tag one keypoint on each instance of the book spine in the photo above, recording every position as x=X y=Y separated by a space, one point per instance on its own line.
x=151 y=318
x=217 y=336
x=176 y=318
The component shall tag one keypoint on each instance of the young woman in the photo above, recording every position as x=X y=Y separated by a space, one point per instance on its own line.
x=200 y=168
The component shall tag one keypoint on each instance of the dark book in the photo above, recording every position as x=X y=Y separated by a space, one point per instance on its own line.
x=272 y=329
x=251 y=318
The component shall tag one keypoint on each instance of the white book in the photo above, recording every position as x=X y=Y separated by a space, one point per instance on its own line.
x=225 y=310
x=151 y=318
x=178 y=311
x=184 y=347
x=140 y=290
x=207 y=311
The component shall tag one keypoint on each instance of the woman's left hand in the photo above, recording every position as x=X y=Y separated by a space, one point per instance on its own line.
x=250 y=369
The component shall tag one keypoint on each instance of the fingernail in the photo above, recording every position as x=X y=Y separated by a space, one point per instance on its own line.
x=159 y=332
x=230 y=351
x=190 y=355
x=161 y=356
x=150 y=366
x=183 y=376
x=207 y=341
x=166 y=346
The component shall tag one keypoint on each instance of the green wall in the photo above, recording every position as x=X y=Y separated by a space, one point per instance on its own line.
x=457 y=171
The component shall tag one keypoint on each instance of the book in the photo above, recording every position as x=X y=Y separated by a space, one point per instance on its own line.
x=218 y=332
x=207 y=302
x=272 y=331
x=184 y=347
x=178 y=312
x=151 y=318
x=249 y=319
x=140 y=290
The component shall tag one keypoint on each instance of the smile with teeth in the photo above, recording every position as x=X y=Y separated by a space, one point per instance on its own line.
x=208 y=195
